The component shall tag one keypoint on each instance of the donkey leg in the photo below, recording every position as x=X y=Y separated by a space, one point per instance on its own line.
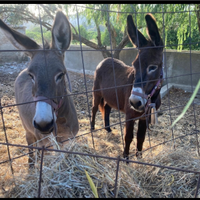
x=30 y=140
x=107 y=109
x=96 y=102
x=128 y=137
x=140 y=137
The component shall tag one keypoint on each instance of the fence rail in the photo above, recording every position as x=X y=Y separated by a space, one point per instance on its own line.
x=117 y=159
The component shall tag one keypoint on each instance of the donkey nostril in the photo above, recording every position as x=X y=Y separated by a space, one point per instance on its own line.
x=136 y=104
x=45 y=127
x=131 y=103
x=35 y=125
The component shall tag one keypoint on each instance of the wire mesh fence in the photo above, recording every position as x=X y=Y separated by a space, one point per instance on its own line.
x=184 y=137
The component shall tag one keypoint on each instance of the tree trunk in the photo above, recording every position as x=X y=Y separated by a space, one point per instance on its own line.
x=104 y=53
x=121 y=45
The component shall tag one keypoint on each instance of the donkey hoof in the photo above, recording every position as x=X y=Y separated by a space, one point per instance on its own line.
x=139 y=154
x=31 y=166
x=92 y=128
x=108 y=130
x=127 y=158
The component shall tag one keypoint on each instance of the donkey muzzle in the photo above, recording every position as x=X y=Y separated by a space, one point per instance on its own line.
x=45 y=117
x=138 y=100
x=44 y=128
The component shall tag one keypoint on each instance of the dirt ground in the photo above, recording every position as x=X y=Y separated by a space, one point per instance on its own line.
x=110 y=144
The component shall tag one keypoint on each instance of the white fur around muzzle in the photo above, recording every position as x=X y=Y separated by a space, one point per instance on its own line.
x=43 y=113
x=135 y=98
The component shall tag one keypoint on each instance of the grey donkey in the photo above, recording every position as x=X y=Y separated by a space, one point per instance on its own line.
x=43 y=83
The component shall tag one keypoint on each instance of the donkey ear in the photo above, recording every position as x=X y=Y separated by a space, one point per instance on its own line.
x=61 y=33
x=19 y=40
x=152 y=30
x=131 y=29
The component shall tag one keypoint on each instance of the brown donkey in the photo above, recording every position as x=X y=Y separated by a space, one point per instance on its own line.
x=44 y=82
x=138 y=87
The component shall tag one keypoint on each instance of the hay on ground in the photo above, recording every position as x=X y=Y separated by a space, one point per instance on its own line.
x=64 y=175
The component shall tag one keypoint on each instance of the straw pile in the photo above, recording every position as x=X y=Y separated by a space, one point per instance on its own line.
x=64 y=176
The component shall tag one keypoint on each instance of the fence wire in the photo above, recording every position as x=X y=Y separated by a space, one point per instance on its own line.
x=87 y=91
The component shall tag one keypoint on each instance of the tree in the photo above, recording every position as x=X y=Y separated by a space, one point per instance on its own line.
x=35 y=34
x=98 y=14
x=16 y=14
x=178 y=26
x=176 y=19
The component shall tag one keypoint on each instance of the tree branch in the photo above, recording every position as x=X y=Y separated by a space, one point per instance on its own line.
x=74 y=28
x=26 y=16
x=113 y=34
x=85 y=41
x=120 y=46
x=47 y=11
x=105 y=52
x=98 y=34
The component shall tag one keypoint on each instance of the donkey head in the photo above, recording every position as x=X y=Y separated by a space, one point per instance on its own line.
x=46 y=69
x=147 y=64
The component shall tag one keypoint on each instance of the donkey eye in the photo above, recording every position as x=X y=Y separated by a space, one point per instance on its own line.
x=59 y=77
x=152 y=68
x=32 y=77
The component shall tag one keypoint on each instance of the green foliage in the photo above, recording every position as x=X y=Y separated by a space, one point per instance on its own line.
x=175 y=28
x=93 y=187
x=83 y=32
x=171 y=40
x=13 y=17
x=35 y=34
x=106 y=37
x=95 y=15
x=87 y=34
x=188 y=42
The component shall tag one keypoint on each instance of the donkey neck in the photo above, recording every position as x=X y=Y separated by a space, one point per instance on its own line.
x=65 y=107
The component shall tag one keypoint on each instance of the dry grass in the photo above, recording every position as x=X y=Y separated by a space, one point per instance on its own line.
x=64 y=176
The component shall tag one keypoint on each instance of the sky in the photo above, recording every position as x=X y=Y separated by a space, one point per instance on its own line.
x=34 y=8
